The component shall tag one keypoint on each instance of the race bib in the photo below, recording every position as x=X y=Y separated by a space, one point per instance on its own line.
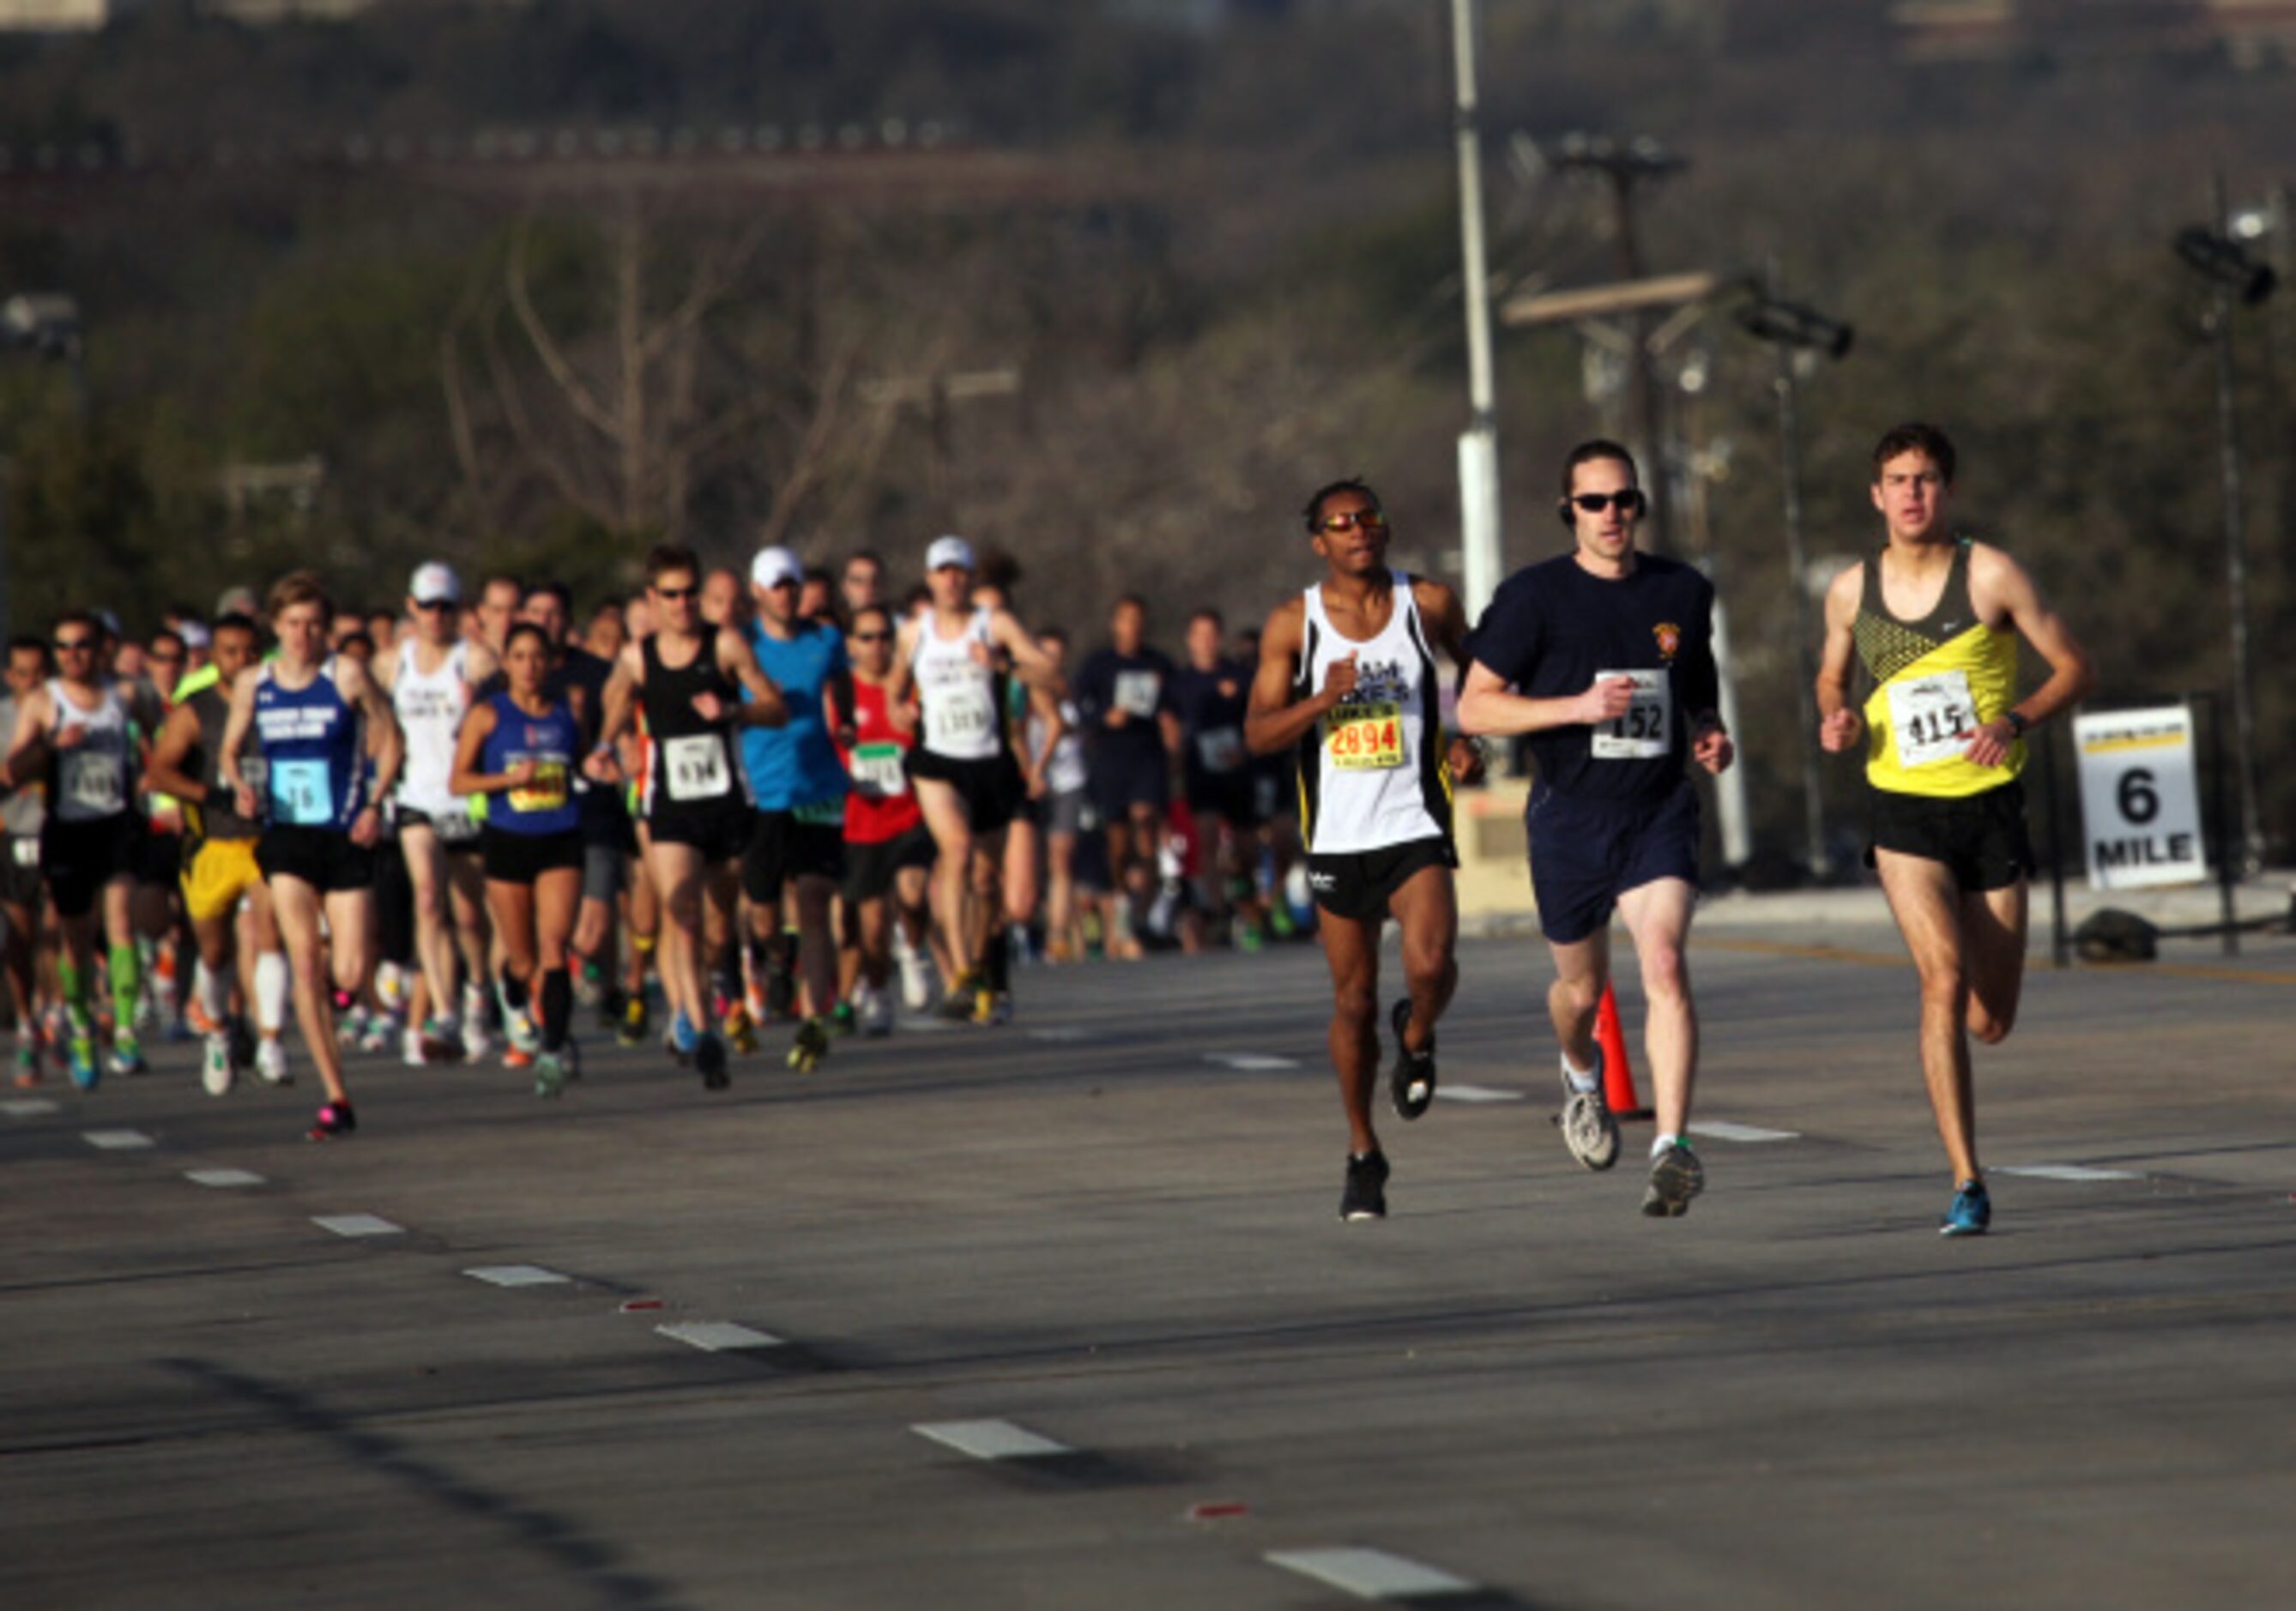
x=1645 y=732
x=695 y=767
x=26 y=849
x=1220 y=749
x=546 y=791
x=94 y=780
x=1932 y=718
x=1135 y=693
x=877 y=770
x=1364 y=738
x=958 y=718
x=302 y=794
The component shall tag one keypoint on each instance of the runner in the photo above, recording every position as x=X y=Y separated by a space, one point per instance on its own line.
x=862 y=582
x=519 y=748
x=688 y=679
x=1604 y=657
x=797 y=785
x=23 y=810
x=1124 y=697
x=1067 y=818
x=73 y=733
x=1934 y=620
x=220 y=873
x=315 y=717
x=888 y=853
x=1211 y=693
x=1347 y=675
x=431 y=680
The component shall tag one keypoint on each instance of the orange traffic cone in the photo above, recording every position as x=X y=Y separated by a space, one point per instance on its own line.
x=1617 y=1075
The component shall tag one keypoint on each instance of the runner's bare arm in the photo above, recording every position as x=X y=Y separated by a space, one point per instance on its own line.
x=899 y=682
x=1272 y=720
x=1447 y=626
x=469 y=747
x=384 y=739
x=235 y=743
x=164 y=773
x=1839 y=726
x=620 y=698
x=765 y=707
x=479 y=663
x=1998 y=582
x=28 y=746
x=1032 y=664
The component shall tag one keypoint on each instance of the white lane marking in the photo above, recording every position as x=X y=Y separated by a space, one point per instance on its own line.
x=928 y=1026
x=718 y=1337
x=1066 y=1035
x=990 y=1440
x=1722 y=1130
x=357 y=1224
x=223 y=1177
x=1369 y=1574
x=2069 y=1171
x=27 y=1107
x=1249 y=1062
x=518 y=1275
x=1479 y=1093
x=116 y=1141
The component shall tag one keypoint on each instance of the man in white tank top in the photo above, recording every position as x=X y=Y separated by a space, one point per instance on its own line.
x=1347 y=677
x=430 y=679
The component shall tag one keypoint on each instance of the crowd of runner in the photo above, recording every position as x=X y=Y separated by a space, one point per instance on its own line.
x=727 y=804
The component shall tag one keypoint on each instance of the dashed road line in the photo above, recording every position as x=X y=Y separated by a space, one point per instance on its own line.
x=117 y=1140
x=1371 y=1573
x=357 y=1225
x=991 y=1440
x=222 y=1178
x=1063 y=1035
x=1250 y=1062
x=1479 y=1093
x=718 y=1337
x=2069 y=1172
x=1723 y=1129
x=518 y=1275
x=27 y=1107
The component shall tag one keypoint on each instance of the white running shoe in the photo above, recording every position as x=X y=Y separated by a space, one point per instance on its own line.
x=270 y=1062
x=215 y=1065
x=876 y=1012
x=918 y=987
x=1588 y=1128
x=476 y=1042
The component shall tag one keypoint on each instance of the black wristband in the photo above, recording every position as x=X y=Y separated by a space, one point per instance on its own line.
x=2017 y=725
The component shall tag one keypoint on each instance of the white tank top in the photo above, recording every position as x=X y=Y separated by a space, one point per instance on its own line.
x=93 y=779
x=1372 y=774
x=430 y=708
x=955 y=693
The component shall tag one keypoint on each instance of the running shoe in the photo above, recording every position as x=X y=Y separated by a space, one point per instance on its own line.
x=128 y=1055
x=270 y=1062
x=741 y=1031
x=350 y=1026
x=963 y=999
x=28 y=1060
x=1972 y=1214
x=843 y=1019
x=436 y=1041
x=992 y=1006
x=516 y=1060
x=589 y=984
x=84 y=1072
x=239 y=1041
x=811 y=1045
x=1676 y=1177
x=1411 y=1083
x=517 y=1028
x=333 y=1121
x=1588 y=1128
x=682 y=1040
x=709 y=1057
x=477 y=1044
x=1365 y=1196
x=916 y=973
x=876 y=1014
x=549 y=1074
x=382 y=1029
x=215 y=1072
x=635 y=1023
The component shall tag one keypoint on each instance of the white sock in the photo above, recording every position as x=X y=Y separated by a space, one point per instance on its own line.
x=214 y=992
x=1659 y=1143
x=1581 y=1079
x=271 y=990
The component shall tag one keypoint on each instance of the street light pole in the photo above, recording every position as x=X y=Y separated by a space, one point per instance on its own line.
x=1813 y=802
x=1479 y=451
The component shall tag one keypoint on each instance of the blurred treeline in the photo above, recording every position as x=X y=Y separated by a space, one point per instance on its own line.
x=1236 y=279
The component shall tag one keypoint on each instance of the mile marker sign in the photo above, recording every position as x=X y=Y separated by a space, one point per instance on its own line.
x=2140 y=806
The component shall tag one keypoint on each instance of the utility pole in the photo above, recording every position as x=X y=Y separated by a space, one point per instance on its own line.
x=1480 y=555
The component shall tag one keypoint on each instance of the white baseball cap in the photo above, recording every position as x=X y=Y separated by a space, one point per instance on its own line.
x=434 y=584
x=774 y=564
x=949 y=551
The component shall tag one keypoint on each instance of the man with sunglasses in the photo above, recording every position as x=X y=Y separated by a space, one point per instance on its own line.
x=1935 y=619
x=1348 y=678
x=1604 y=657
x=74 y=733
x=798 y=784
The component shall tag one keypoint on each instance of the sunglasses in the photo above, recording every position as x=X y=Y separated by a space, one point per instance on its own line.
x=157 y=658
x=434 y=603
x=72 y=645
x=1348 y=520
x=1629 y=502
x=871 y=637
x=675 y=593
x=784 y=582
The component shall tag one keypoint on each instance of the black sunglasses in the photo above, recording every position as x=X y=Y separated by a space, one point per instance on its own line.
x=1629 y=502
x=67 y=645
x=675 y=592
x=871 y=637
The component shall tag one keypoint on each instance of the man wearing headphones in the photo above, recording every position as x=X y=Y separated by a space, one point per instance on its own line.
x=1604 y=657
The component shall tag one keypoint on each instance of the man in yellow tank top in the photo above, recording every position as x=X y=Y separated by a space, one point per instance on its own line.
x=1935 y=621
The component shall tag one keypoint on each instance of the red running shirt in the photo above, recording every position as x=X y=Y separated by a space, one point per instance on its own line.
x=881 y=806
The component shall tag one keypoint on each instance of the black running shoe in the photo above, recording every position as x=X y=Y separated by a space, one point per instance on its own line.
x=1411 y=1083
x=709 y=1057
x=334 y=1120
x=1676 y=1177
x=1365 y=1197
x=240 y=1042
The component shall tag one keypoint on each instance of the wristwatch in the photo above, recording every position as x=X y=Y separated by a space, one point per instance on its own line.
x=2017 y=725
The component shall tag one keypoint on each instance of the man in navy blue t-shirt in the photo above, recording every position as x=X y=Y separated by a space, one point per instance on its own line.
x=1604 y=657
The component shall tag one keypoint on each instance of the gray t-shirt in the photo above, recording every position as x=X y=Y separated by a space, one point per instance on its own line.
x=25 y=807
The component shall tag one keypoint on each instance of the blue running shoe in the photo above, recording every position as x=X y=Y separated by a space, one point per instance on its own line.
x=685 y=1040
x=84 y=1072
x=1972 y=1214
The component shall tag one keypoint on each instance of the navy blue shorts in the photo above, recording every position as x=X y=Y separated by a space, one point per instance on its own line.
x=1122 y=780
x=1587 y=852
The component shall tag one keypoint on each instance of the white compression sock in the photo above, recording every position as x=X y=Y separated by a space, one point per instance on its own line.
x=271 y=991
x=213 y=991
x=1659 y=1143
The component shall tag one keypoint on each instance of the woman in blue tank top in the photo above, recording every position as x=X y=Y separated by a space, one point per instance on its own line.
x=317 y=720
x=520 y=749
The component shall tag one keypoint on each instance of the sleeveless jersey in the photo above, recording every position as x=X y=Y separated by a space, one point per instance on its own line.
x=957 y=696
x=1936 y=681
x=431 y=706
x=218 y=817
x=94 y=779
x=690 y=762
x=544 y=803
x=1372 y=772
x=313 y=751
x=881 y=806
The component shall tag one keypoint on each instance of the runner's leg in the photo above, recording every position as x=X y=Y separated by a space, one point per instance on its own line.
x=1352 y=950
x=1582 y=968
x=1993 y=930
x=1657 y=915
x=1427 y=908
x=297 y=904
x=1927 y=905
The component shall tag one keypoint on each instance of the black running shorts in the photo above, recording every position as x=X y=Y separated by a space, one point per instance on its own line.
x=1980 y=837
x=1358 y=885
